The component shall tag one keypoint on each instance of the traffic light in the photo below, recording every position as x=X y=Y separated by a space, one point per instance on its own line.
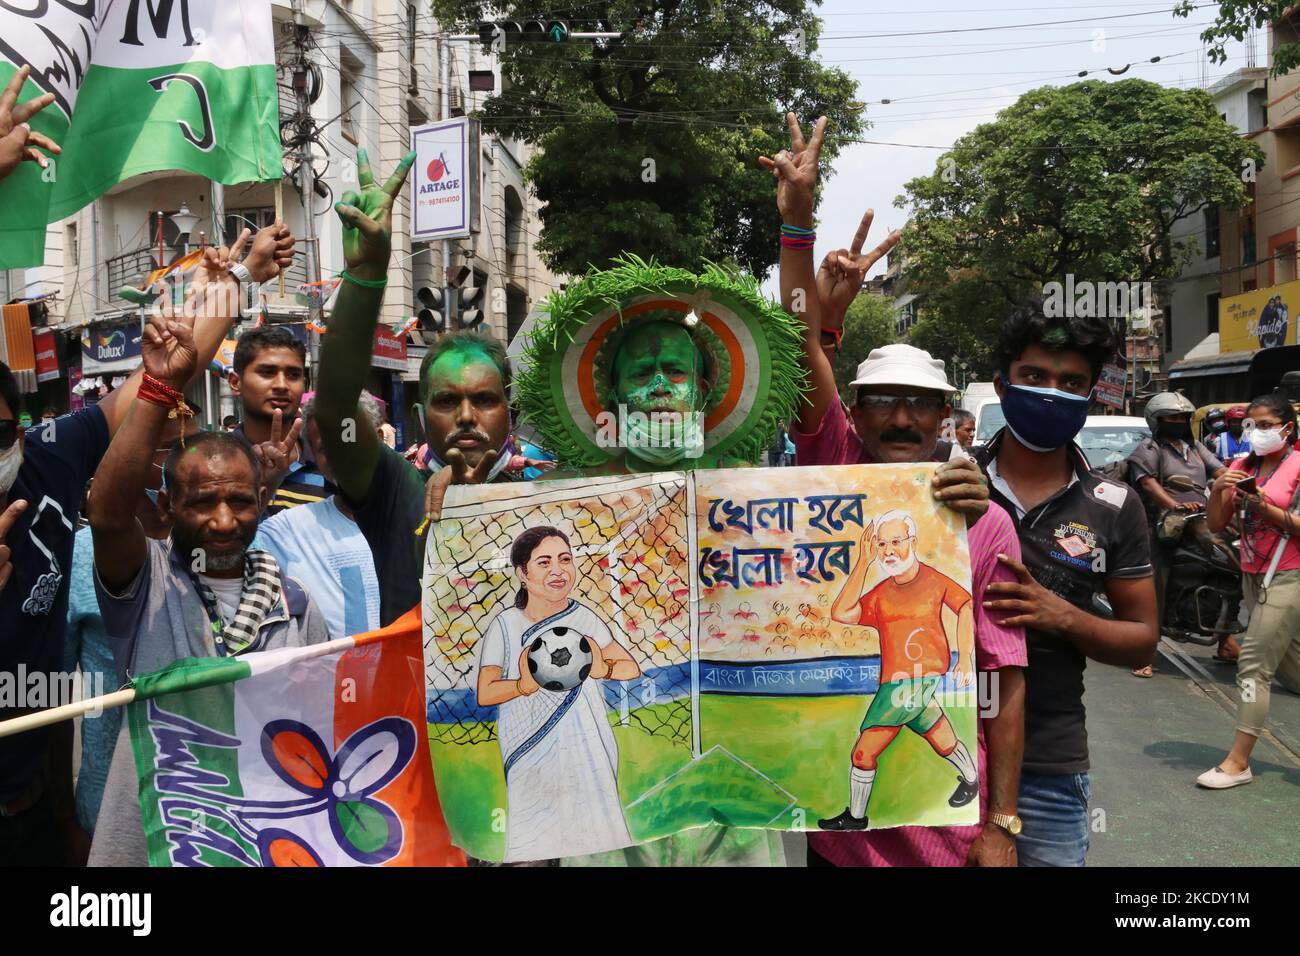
x=498 y=33
x=456 y=307
x=465 y=298
x=432 y=316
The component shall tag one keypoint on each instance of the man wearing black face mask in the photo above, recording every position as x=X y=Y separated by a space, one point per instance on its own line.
x=1171 y=451
x=1079 y=534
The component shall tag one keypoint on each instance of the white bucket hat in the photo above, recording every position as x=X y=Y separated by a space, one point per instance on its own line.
x=903 y=365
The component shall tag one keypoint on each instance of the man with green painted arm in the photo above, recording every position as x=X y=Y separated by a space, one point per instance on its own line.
x=463 y=382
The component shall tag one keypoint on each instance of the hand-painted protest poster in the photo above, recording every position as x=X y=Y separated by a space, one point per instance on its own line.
x=614 y=660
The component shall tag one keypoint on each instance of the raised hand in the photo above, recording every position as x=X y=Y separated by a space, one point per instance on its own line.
x=213 y=291
x=7 y=520
x=368 y=219
x=271 y=253
x=843 y=271
x=167 y=348
x=796 y=172
x=869 y=543
x=17 y=141
x=457 y=471
x=278 y=454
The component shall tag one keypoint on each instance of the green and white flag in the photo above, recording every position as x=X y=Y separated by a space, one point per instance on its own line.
x=140 y=86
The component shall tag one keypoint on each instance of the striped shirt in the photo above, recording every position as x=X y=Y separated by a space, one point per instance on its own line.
x=996 y=647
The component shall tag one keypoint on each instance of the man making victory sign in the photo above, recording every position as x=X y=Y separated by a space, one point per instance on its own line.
x=921 y=615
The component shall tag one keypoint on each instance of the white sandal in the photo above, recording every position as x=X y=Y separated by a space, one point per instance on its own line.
x=1219 y=779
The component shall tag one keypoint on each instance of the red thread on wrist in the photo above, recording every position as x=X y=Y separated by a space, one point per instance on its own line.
x=163 y=395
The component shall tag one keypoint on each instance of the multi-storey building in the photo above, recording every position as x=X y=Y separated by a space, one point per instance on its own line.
x=1232 y=326
x=376 y=76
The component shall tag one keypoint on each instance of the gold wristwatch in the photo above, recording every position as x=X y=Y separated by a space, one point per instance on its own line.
x=1007 y=821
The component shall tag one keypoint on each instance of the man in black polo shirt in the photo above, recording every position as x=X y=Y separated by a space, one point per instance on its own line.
x=1079 y=534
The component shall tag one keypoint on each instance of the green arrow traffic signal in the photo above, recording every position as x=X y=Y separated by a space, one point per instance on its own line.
x=558 y=31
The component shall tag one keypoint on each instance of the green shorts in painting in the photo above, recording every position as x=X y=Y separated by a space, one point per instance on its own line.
x=905 y=703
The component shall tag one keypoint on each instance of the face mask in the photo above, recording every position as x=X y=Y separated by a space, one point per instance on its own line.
x=664 y=443
x=10 y=462
x=1181 y=431
x=1043 y=419
x=1266 y=441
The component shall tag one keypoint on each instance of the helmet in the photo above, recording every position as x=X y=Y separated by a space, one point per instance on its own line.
x=1216 y=422
x=1164 y=404
x=1236 y=412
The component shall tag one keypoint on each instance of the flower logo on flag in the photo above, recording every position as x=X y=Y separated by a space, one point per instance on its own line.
x=343 y=785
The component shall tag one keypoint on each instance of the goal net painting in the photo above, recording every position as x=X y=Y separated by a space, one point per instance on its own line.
x=609 y=661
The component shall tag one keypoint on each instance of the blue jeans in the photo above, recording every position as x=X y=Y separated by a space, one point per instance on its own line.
x=1054 y=811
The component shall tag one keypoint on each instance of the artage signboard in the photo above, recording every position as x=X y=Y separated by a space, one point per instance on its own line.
x=444 y=180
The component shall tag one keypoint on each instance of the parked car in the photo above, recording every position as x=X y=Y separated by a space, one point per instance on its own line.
x=1110 y=438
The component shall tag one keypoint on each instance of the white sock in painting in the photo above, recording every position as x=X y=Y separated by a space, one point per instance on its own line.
x=860 y=790
x=960 y=758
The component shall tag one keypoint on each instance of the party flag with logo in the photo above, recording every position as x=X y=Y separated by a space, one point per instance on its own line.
x=313 y=756
x=139 y=86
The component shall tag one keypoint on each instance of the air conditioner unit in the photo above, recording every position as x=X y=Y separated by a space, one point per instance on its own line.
x=456 y=101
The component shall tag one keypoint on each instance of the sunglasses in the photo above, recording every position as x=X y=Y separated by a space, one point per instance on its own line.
x=8 y=433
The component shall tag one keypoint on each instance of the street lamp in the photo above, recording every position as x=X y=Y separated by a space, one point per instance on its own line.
x=184 y=222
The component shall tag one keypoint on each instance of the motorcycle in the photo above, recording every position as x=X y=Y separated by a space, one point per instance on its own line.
x=1203 y=590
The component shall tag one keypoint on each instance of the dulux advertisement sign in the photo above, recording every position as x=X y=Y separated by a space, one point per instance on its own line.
x=106 y=348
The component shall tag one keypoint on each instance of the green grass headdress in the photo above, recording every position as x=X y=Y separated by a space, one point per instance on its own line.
x=751 y=348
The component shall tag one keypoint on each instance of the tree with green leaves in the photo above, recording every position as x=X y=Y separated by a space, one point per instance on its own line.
x=868 y=324
x=1084 y=180
x=647 y=142
x=1236 y=19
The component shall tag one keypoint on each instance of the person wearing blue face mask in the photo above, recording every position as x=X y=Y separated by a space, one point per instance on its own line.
x=1079 y=534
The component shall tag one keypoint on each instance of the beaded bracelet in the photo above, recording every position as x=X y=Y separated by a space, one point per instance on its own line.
x=797 y=237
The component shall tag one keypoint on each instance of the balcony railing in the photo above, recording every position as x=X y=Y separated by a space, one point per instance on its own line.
x=129 y=268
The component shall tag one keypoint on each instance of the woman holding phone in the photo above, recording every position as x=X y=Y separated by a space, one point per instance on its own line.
x=1262 y=489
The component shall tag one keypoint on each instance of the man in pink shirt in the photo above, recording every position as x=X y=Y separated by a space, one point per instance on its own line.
x=902 y=401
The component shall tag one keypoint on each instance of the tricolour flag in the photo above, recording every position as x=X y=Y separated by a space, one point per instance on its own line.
x=140 y=86
x=314 y=756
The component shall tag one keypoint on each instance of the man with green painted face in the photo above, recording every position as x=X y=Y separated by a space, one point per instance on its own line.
x=463 y=383
x=659 y=386
x=659 y=389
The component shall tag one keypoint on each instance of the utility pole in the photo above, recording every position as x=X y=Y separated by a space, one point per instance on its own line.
x=306 y=175
x=444 y=109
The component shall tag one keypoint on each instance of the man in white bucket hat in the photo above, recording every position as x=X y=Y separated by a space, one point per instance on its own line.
x=902 y=398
